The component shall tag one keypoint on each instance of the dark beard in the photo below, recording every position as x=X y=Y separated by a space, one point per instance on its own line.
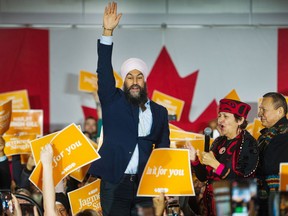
x=139 y=100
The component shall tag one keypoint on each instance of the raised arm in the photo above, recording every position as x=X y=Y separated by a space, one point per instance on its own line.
x=46 y=158
x=106 y=80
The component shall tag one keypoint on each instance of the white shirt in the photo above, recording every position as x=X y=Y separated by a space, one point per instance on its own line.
x=144 y=129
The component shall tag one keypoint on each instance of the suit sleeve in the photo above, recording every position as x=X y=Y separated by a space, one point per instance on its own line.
x=200 y=170
x=106 y=80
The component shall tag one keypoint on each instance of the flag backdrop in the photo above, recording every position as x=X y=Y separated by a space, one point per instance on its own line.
x=199 y=66
x=24 y=64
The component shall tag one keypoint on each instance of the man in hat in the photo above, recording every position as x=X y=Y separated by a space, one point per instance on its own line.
x=273 y=147
x=132 y=124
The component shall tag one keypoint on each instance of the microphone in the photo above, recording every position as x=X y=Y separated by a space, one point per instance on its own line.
x=207 y=132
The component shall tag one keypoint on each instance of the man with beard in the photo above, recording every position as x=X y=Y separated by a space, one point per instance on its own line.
x=132 y=125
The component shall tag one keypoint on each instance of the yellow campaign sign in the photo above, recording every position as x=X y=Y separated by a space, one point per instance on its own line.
x=38 y=144
x=250 y=128
x=176 y=134
x=18 y=144
x=26 y=122
x=118 y=80
x=5 y=116
x=80 y=173
x=69 y=146
x=168 y=171
x=172 y=104
x=87 y=81
x=171 y=126
x=257 y=128
x=196 y=143
x=20 y=100
x=233 y=95
x=86 y=197
x=283 y=177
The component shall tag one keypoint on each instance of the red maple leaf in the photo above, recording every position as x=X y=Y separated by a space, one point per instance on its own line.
x=165 y=78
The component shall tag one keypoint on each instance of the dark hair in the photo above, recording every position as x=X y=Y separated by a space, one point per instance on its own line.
x=87 y=212
x=63 y=199
x=278 y=100
x=239 y=118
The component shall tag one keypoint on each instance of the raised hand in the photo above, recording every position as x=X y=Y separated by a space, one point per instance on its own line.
x=30 y=163
x=192 y=151
x=110 y=18
x=159 y=204
x=46 y=155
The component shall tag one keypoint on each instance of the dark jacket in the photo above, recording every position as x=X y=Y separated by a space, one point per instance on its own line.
x=120 y=125
x=276 y=150
x=5 y=179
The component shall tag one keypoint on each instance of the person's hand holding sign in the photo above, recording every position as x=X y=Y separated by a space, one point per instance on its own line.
x=192 y=151
x=46 y=158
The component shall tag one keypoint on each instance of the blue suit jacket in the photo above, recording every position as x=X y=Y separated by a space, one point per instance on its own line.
x=120 y=125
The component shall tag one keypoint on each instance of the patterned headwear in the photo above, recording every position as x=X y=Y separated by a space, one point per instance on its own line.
x=235 y=107
x=132 y=64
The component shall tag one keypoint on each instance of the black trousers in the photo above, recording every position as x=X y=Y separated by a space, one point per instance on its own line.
x=120 y=199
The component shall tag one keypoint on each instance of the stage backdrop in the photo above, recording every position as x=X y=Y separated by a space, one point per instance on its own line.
x=199 y=66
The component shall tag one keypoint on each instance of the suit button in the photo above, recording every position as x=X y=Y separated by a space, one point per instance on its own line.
x=130 y=152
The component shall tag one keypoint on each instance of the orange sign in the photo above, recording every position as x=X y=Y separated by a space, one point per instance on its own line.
x=87 y=81
x=26 y=122
x=80 y=174
x=196 y=143
x=19 y=99
x=176 y=134
x=118 y=80
x=257 y=128
x=171 y=126
x=172 y=104
x=5 y=116
x=233 y=95
x=38 y=144
x=18 y=144
x=86 y=197
x=250 y=128
x=168 y=171
x=69 y=146
x=283 y=177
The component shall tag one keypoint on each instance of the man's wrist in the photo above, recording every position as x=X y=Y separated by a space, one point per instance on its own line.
x=107 y=31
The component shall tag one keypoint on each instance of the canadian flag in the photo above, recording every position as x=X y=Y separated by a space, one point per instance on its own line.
x=199 y=69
